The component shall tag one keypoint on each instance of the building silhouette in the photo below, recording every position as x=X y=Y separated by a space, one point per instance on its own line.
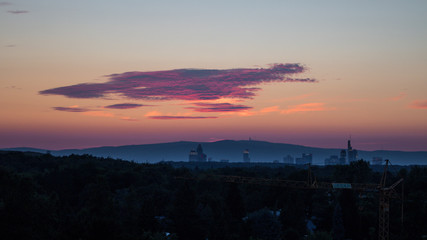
x=193 y=156
x=197 y=155
x=246 y=157
x=343 y=156
x=351 y=153
x=288 y=160
x=306 y=158
x=332 y=160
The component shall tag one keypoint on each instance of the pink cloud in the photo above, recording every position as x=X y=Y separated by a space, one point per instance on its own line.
x=218 y=107
x=179 y=117
x=306 y=107
x=125 y=106
x=398 y=97
x=129 y=119
x=184 y=84
x=270 y=109
x=420 y=104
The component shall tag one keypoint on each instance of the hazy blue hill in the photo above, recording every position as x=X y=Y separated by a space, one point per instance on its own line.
x=26 y=149
x=232 y=151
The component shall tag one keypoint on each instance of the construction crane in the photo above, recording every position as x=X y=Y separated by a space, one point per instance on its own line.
x=385 y=193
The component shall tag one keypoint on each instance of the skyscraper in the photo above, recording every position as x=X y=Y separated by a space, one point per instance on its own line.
x=193 y=156
x=343 y=156
x=201 y=157
x=351 y=153
x=197 y=155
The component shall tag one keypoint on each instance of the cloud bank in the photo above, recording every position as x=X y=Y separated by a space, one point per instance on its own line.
x=184 y=84
x=205 y=90
x=125 y=106
x=218 y=107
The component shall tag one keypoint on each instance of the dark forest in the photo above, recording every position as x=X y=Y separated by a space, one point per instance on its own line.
x=86 y=197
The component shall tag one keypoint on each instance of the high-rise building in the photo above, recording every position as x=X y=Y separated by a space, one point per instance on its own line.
x=307 y=158
x=343 y=156
x=201 y=157
x=351 y=153
x=198 y=155
x=246 y=157
x=193 y=156
x=288 y=160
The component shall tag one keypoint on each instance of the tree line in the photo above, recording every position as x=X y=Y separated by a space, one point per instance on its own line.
x=86 y=197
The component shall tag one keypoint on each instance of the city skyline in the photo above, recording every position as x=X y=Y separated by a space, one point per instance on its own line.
x=105 y=73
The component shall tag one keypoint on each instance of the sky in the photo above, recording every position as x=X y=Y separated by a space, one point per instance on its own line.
x=78 y=74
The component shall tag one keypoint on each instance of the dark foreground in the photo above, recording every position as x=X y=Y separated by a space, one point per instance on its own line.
x=84 y=197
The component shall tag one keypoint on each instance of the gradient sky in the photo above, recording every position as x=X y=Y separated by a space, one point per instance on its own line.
x=76 y=74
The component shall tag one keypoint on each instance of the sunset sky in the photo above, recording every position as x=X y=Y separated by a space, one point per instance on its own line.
x=77 y=74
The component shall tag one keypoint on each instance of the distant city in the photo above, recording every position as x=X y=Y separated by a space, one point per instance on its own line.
x=346 y=156
x=242 y=151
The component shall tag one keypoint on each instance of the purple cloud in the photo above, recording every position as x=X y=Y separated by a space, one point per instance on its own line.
x=125 y=106
x=178 y=117
x=71 y=109
x=184 y=84
x=18 y=11
x=218 y=107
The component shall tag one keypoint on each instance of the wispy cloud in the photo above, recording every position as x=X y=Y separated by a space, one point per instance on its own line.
x=420 y=104
x=98 y=114
x=129 y=119
x=218 y=107
x=71 y=109
x=5 y=3
x=270 y=109
x=184 y=84
x=18 y=11
x=306 y=107
x=93 y=112
x=125 y=106
x=13 y=87
x=398 y=97
x=180 y=117
x=177 y=116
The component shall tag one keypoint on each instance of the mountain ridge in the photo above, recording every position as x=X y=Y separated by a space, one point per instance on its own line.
x=229 y=150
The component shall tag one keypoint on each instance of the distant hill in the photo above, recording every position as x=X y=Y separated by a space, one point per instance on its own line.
x=232 y=151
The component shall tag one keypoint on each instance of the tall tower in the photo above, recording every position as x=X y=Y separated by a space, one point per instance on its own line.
x=246 y=157
x=192 y=157
x=201 y=157
x=343 y=156
x=351 y=153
